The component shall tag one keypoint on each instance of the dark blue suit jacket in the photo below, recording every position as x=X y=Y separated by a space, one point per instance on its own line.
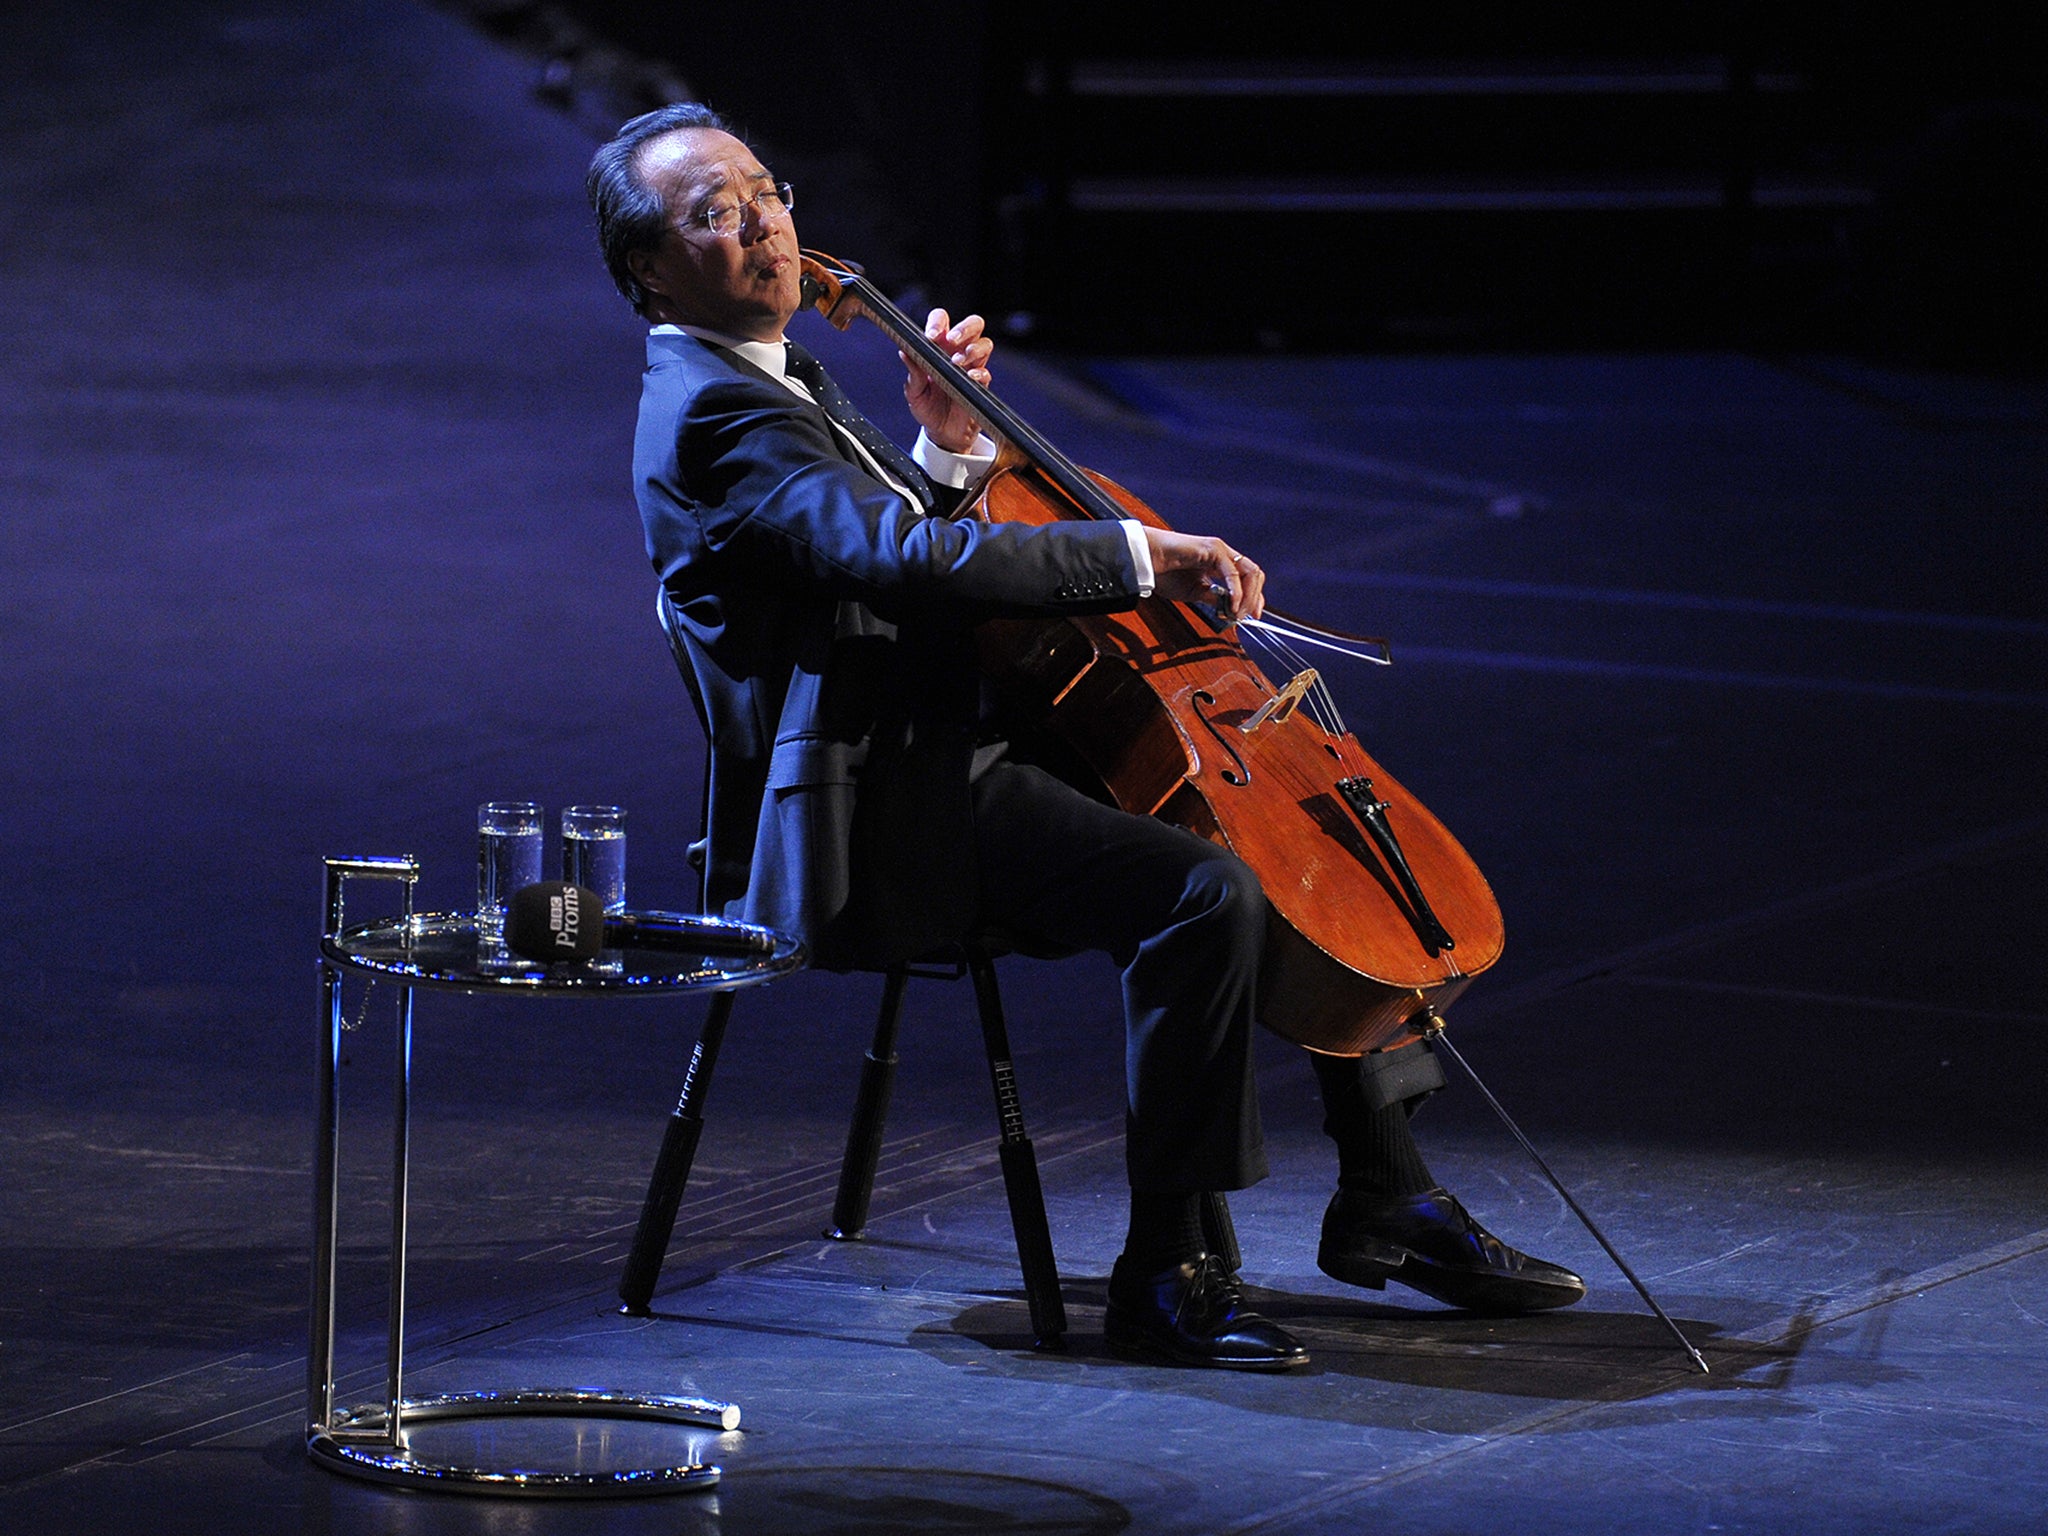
x=829 y=628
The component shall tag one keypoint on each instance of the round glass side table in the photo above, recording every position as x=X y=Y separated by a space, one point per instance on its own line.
x=445 y=952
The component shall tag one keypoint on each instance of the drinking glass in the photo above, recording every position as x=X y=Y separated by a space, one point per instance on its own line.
x=508 y=850
x=594 y=852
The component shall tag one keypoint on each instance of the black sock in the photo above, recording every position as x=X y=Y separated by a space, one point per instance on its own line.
x=1375 y=1152
x=1165 y=1230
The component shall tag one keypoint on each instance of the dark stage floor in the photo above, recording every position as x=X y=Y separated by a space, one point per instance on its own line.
x=1729 y=671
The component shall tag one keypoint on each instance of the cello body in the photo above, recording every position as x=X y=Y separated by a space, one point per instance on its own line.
x=1159 y=703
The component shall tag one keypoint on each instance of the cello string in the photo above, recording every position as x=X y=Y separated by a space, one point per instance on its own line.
x=1280 y=637
x=1292 y=662
x=1089 y=498
x=1319 y=701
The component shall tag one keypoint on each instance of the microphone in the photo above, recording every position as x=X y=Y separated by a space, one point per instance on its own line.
x=555 y=920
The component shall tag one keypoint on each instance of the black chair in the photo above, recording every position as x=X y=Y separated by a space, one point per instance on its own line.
x=975 y=960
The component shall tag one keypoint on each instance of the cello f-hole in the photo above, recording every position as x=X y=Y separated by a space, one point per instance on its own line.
x=1242 y=774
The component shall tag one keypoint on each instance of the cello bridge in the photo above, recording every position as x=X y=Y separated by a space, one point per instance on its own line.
x=1283 y=703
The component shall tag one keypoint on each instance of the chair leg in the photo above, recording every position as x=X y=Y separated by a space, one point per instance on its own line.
x=870 y=1116
x=1020 y=1166
x=672 y=1165
x=1219 y=1232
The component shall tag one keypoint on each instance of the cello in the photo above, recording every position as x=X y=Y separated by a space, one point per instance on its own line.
x=1377 y=916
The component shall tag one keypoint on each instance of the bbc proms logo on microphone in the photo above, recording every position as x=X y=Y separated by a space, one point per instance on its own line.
x=565 y=913
x=544 y=922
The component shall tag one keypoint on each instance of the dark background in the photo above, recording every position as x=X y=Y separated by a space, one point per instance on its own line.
x=1853 y=175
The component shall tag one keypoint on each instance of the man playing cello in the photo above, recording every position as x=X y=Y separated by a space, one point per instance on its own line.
x=858 y=795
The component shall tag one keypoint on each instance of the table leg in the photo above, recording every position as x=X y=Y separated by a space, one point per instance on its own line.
x=326 y=1202
x=401 y=1189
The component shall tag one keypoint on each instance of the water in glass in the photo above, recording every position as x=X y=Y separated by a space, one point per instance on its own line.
x=508 y=856
x=594 y=852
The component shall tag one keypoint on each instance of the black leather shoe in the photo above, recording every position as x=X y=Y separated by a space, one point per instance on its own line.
x=1193 y=1314
x=1430 y=1242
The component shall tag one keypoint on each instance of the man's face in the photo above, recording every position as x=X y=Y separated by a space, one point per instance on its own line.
x=743 y=285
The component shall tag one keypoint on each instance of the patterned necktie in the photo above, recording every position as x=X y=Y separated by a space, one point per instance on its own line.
x=810 y=373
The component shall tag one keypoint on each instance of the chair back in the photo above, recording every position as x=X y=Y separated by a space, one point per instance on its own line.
x=671 y=624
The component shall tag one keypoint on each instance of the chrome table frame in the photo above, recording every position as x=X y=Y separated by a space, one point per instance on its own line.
x=369 y=1441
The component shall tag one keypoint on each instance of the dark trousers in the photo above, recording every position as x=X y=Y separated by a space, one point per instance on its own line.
x=1184 y=919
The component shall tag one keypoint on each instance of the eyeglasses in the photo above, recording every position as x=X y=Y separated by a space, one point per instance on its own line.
x=724 y=219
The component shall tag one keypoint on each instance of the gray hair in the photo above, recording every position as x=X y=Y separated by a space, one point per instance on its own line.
x=630 y=214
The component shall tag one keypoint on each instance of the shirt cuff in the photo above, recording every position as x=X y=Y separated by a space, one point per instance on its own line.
x=1141 y=554
x=953 y=469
